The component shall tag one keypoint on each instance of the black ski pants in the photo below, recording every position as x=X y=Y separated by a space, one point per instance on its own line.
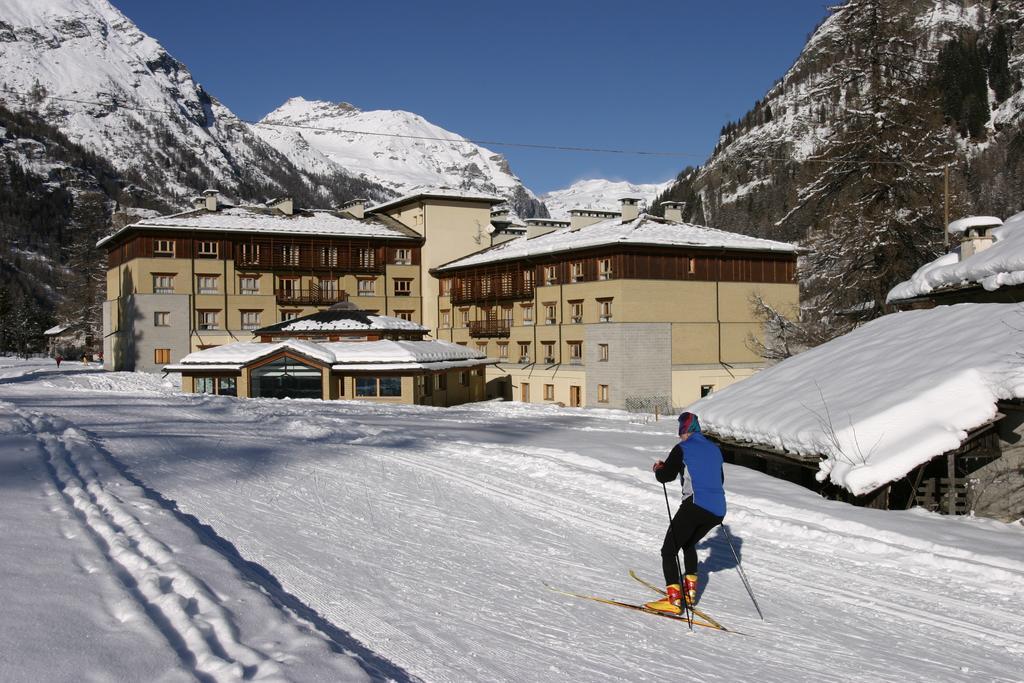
x=691 y=523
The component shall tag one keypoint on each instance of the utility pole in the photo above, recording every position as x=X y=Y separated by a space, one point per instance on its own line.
x=945 y=231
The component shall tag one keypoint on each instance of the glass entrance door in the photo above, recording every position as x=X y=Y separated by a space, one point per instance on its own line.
x=286 y=378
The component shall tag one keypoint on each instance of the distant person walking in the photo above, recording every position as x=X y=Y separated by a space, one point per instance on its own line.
x=703 y=508
x=58 y=358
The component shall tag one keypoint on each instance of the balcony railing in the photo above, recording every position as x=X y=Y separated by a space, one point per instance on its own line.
x=489 y=328
x=309 y=297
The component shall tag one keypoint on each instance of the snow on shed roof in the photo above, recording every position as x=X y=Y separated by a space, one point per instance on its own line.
x=643 y=230
x=57 y=329
x=394 y=354
x=1000 y=265
x=883 y=399
x=961 y=226
x=259 y=219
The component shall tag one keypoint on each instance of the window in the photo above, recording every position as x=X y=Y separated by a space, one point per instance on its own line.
x=482 y=347
x=506 y=315
x=208 y=320
x=446 y=318
x=446 y=286
x=465 y=317
x=161 y=356
x=403 y=257
x=550 y=276
x=367 y=257
x=524 y=392
x=286 y=378
x=288 y=286
x=378 y=386
x=602 y=352
x=706 y=389
x=576 y=353
x=203 y=385
x=442 y=382
x=604 y=310
x=329 y=257
x=528 y=315
x=163 y=284
x=328 y=288
x=249 y=284
x=289 y=315
x=428 y=385
x=549 y=392
x=602 y=393
x=289 y=254
x=161 y=319
x=549 y=351
x=403 y=286
x=404 y=315
x=366 y=287
x=549 y=314
x=503 y=350
x=577 y=271
x=576 y=310
x=207 y=249
x=604 y=269
x=207 y=284
x=227 y=386
x=249 y=253
x=485 y=285
x=528 y=280
x=691 y=265
x=251 y=320
x=464 y=378
x=163 y=247
x=524 y=352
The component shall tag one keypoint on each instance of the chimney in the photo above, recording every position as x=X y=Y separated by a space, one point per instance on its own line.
x=630 y=208
x=198 y=202
x=975 y=233
x=674 y=211
x=355 y=208
x=210 y=199
x=285 y=205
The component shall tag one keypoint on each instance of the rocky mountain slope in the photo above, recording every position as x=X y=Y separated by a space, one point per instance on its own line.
x=847 y=152
x=598 y=193
x=322 y=136
x=86 y=68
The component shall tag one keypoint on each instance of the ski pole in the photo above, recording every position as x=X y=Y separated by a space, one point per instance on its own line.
x=672 y=530
x=743 y=575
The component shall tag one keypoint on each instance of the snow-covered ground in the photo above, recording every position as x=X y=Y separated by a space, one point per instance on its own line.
x=165 y=536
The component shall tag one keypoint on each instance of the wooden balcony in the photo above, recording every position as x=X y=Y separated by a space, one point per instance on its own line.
x=473 y=291
x=309 y=297
x=489 y=328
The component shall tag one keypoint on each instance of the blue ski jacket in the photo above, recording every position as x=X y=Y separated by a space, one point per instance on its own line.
x=700 y=462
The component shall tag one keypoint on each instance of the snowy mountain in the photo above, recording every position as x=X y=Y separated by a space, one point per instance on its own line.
x=846 y=152
x=116 y=91
x=401 y=164
x=598 y=193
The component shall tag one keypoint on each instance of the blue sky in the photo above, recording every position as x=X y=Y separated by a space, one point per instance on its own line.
x=643 y=75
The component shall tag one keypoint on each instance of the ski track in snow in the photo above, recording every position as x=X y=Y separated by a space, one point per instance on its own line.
x=426 y=535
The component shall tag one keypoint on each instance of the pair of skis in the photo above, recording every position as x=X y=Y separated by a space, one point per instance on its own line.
x=700 y=618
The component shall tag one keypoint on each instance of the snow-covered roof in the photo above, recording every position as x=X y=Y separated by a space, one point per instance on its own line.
x=353 y=355
x=1000 y=265
x=57 y=329
x=344 y=320
x=643 y=230
x=438 y=193
x=251 y=219
x=883 y=399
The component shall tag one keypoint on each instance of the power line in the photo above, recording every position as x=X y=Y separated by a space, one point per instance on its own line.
x=494 y=143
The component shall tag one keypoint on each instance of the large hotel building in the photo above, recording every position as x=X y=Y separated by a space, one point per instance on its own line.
x=600 y=310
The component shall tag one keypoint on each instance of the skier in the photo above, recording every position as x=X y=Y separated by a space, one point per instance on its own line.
x=702 y=509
